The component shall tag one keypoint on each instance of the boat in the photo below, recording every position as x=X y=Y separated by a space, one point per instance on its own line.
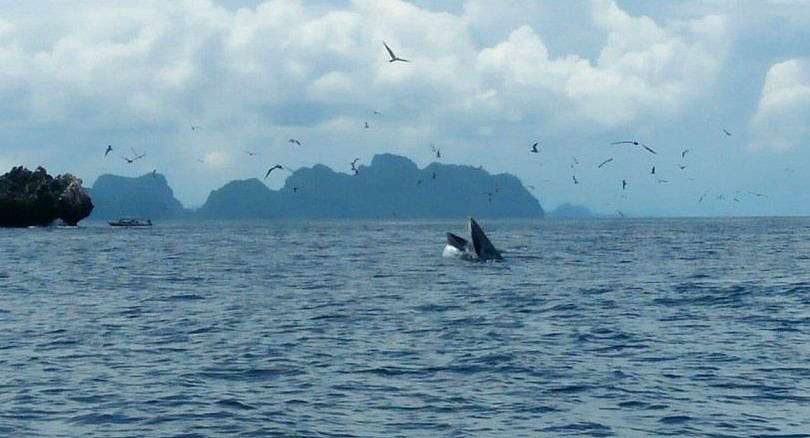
x=131 y=222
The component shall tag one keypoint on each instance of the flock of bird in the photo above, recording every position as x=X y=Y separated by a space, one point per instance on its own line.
x=535 y=148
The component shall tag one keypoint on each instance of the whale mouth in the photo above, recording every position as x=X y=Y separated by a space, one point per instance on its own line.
x=477 y=248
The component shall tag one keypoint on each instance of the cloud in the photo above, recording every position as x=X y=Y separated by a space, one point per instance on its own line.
x=782 y=119
x=643 y=68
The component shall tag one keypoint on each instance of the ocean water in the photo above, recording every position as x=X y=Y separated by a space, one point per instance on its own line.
x=683 y=327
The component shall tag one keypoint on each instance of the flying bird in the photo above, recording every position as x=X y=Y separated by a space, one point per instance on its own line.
x=109 y=149
x=434 y=175
x=703 y=196
x=392 y=55
x=604 y=162
x=725 y=131
x=154 y=173
x=681 y=166
x=436 y=150
x=635 y=143
x=354 y=167
x=652 y=171
x=375 y=112
x=194 y=127
x=534 y=148
x=365 y=125
x=249 y=152
x=294 y=141
x=624 y=184
x=574 y=177
x=620 y=213
x=128 y=160
x=136 y=156
x=277 y=166
x=683 y=154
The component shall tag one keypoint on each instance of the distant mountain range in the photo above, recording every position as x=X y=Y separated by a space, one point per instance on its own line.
x=569 y=211
x=391 y=186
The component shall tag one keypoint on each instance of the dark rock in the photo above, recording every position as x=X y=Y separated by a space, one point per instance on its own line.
x=147 y=196
x=36 y=199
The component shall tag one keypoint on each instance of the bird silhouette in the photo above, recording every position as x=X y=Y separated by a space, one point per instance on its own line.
x=354 y=167
x=109 y=149
x=294 y=141
x=392 y=55
x=635 y=143
x=252 y=154
x=365 y=125
x=534 y=148
x=725 y=131
x=604 y=162
x=683 y=154
x=624 y=184
x=277 y=166
x=652 y=171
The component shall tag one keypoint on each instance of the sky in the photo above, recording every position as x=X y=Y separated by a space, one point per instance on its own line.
x=486 y=80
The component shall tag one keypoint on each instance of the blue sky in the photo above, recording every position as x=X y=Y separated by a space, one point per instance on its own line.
x=487 y=80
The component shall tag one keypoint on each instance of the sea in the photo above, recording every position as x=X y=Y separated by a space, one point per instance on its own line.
x=599 y=327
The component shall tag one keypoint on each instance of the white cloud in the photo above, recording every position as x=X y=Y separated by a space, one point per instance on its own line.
x=782 y=120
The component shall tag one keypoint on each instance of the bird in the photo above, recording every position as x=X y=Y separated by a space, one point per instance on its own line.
x=620 y=213
x=604 y=162
x=375 y=112
x=294 y=141
x=277 y=166
x=128 y=160
x=534 y=148
x=365 y=126
x=758 y=195
x=624 y=184
x=249 y=152
x=136 y=156
x=635 y=143
x=109 y=149
x=434 y=175
x=436 y=150
x=725 y=131
x=393 y=56
x=574 y=177
x=735 y=199
x=652 y=171
x=154 y=173
x=354 y=167
x=575 y=161
x=681 y=166
x=489 y=196
x=683 y=154
x=663 y=181
x=703 y=196
x=194 y=127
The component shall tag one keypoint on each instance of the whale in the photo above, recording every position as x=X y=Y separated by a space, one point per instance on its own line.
x=477 y=248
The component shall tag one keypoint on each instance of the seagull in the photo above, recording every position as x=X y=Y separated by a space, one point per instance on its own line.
x=393 y=56
x=154 y=173
x=128 y=160
x=136 y=156
x=604 y=162
x=652 y=172
x=353 y=164
x=365 y=126
x=294 y=141
x=534 y=148
x=683 y=154
x=703 y=196
x=725 y=131
x=277 y=166
x=681 y=166
x=635 y=143
x=375 y=112
x=109 y=149
x=574 y=177
x=249 y=152
x=436 y=151
x=624 y=184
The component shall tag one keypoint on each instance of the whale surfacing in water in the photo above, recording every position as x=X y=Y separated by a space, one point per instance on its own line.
x=478 y=248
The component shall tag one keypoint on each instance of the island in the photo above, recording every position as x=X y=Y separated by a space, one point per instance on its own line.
x=35 y=198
